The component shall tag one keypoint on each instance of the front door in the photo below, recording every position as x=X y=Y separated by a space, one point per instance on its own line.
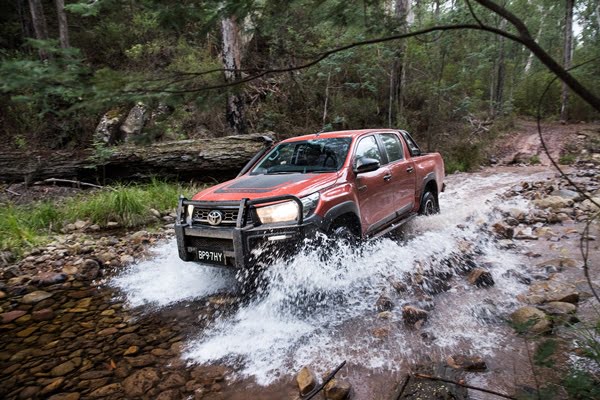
x=375 y=199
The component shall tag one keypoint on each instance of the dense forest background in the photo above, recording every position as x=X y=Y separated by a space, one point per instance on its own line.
x=150 y=70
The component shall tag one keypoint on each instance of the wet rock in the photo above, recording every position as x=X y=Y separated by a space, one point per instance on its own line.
x=385 y=315
x=126 y=259
x=173 y=380
x=384 y=303
x=525 y=234
x=172 y=394
x=108 y=331
x=467 y=363
x=63 y=369
x=563 y=296
x=553 y=202
x=518 y=276
x=306 y=380
x=48 y=278
x=566 y=194
x=89 y=270
x=140 y=382
x=337 y=390
x=131 y=350
x=532 y=320
x=559 y=308
x=412 y=315
x=10 y=316
x=590 y=205
x=45 y=314
x=107 y=390
x=560 y=263
x=66 y=396
x=52 y=386
x=503 y=230
x=35 y=297
x=29 y=392
x=27 y=332
x=381 y=333
x=480 y=278
x=142 y=361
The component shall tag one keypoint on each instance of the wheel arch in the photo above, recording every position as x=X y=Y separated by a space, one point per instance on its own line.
x=346 y=211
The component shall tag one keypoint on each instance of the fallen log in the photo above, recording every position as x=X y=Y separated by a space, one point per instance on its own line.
x=215 y=158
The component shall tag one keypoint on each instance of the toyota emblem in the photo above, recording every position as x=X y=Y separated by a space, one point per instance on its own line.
x=215 y=217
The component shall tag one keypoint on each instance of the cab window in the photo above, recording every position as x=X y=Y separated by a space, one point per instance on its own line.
x=393 y=147
x=367 y=147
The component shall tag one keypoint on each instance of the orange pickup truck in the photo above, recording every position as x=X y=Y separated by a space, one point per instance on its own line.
x=348 y=184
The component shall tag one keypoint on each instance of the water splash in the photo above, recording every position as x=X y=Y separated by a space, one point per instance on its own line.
x=322 y=312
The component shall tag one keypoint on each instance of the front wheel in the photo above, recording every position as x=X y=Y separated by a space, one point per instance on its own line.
x=429 y=204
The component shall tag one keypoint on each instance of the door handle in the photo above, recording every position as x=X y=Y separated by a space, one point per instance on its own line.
x=410 y=169
x=387 y=177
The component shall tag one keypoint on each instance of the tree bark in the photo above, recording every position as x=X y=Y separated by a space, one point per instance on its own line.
x=398 y=72
x=63 y=27
x=38 y=20
x=232 y=56
x=219 y=158
x=567 y=57
x=500 y=73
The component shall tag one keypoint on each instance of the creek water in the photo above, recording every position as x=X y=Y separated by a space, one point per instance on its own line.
x=320 y=312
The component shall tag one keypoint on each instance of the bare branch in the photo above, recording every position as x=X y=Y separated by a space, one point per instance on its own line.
x=435 y=378
x=473 y=13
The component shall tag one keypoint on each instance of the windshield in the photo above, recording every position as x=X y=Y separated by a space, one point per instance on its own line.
x=316 y=155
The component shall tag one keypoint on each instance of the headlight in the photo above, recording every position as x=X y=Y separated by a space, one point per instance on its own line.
x=309 y=203
x=281 y=212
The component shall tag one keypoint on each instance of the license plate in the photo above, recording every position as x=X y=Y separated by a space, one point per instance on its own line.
x=211 y=256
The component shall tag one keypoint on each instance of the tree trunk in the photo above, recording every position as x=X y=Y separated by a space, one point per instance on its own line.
x=529 y=63
x=500 y=73
x=232 y=55
x=568 y=56
x=38 y=20
x=24 y=19
x=63 y=28
x=220 y=158
x=398 y=72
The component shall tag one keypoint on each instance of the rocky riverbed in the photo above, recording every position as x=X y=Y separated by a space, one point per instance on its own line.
x=71 y=329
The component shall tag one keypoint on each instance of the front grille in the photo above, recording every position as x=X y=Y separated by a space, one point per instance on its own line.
x=210 y=243
x=200 y=216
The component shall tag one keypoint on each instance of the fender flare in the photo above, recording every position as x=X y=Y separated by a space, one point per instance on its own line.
x=338 y=210
x=428 y=178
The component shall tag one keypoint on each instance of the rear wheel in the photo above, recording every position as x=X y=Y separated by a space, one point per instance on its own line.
x=429 y=204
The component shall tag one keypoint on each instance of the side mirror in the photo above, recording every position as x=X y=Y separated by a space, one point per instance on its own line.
x=364 y=164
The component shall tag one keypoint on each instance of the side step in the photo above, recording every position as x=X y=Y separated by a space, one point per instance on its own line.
x=392 y=227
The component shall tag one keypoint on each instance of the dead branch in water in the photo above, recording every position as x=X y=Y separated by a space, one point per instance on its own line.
x=435 y=378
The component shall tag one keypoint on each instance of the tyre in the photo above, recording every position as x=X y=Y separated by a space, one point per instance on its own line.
x=429 y=204
x=342 y=234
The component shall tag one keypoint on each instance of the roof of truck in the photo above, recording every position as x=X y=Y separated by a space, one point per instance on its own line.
x=349 y=133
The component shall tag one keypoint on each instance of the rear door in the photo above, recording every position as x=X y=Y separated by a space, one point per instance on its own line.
x=376 y=201
x=402 y=171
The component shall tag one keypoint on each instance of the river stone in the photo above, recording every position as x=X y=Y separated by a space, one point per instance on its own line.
x=566 y=194
x=337 y=390
x=171 y=394
x=480 y=278
x=29 y=392
x=48 y=278
x=27 y=332
x=52 y=386
x=467 y=363
x=142 y=361
x=173 y=380
x=588 y=205
x=131 y=350
x=564 y=296
x=107 y=390
x=411 y=315
x=34 y=297
x=384 y=303
x=306 y=380
x=10 y=316
x=89 y=270
x=531 y=319
x=63 y=369
x=553 y=202
x=65 y=396
x=559 y=308
x=140 y=382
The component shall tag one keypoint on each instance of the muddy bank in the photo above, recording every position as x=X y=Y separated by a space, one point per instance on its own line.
x=96 y=315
